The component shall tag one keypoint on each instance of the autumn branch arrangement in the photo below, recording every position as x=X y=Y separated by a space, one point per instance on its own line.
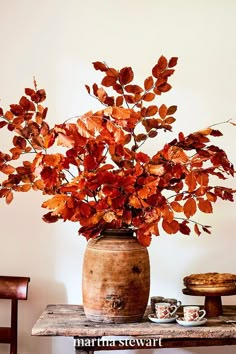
x=99 y=177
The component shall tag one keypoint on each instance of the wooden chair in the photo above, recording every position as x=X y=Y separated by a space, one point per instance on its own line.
x=13 y=288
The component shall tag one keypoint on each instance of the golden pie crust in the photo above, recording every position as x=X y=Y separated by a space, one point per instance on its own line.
x=211 y=282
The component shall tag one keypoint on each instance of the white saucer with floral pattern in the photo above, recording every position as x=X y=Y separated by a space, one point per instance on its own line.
x=154 y=318
x=182 y=322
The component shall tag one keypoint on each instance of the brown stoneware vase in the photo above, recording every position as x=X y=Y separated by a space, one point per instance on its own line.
x=116 y=278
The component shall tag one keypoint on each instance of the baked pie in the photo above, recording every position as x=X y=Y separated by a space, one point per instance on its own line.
x=210 y=282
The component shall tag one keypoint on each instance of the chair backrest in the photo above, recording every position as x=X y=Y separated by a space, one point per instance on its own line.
x=14 y=289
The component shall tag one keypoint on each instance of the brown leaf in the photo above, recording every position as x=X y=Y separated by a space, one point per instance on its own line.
x=190 y=207
x=171 y=110
x=205 y=206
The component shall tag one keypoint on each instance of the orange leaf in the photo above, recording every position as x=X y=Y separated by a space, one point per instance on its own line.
x=151 y=111
x=101 y=94
x=148 y=96
x=170 y=227
x=135 y=202
x=191 y=181
x=190 y=207
x=148 y=83
x=9 y=197
x=7 y=169
x=176 y=207
x=204 y=205
x=157 y=170
x=203 y=179
x=52 y=159
x=163 y=111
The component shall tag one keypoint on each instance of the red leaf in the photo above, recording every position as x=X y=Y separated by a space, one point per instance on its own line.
x=162 y=63
x=16 y=109
x=184 y=229
x=172 y=62
x=2 y=124
x=216 y=133
x=196 y=229
x=87 y=88
x=99 y=66
x=49 y=218
x=126 y=75
x=135 y=89
x=108 y=81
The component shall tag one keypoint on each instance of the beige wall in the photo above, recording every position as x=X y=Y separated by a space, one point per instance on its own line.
x=56 y=41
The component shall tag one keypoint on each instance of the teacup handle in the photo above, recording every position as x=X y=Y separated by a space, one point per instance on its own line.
x=175 y=309
x=203 y=314
x=179 y=303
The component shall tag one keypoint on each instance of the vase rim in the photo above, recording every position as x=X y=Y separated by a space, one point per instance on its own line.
x=121 y=231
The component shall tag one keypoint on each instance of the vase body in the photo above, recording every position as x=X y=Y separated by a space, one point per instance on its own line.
x=116 y=278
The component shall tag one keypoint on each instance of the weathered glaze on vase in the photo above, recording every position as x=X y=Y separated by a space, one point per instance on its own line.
x=116 y=278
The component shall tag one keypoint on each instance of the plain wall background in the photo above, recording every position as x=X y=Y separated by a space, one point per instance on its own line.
x=56 y=41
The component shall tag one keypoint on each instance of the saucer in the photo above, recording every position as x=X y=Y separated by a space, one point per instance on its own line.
x=182 y=322
x=153 y=318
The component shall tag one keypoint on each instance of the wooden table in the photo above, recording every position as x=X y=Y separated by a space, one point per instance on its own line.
x=70 y=321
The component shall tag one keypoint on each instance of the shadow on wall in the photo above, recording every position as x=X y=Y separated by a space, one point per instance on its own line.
x=41 y=293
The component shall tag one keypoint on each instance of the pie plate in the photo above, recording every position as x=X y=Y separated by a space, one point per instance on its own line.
x=153 y=318
x=182 y=322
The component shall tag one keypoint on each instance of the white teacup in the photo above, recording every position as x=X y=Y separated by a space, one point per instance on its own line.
x=165 y=310
x=193 y=313
x=154 y=300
